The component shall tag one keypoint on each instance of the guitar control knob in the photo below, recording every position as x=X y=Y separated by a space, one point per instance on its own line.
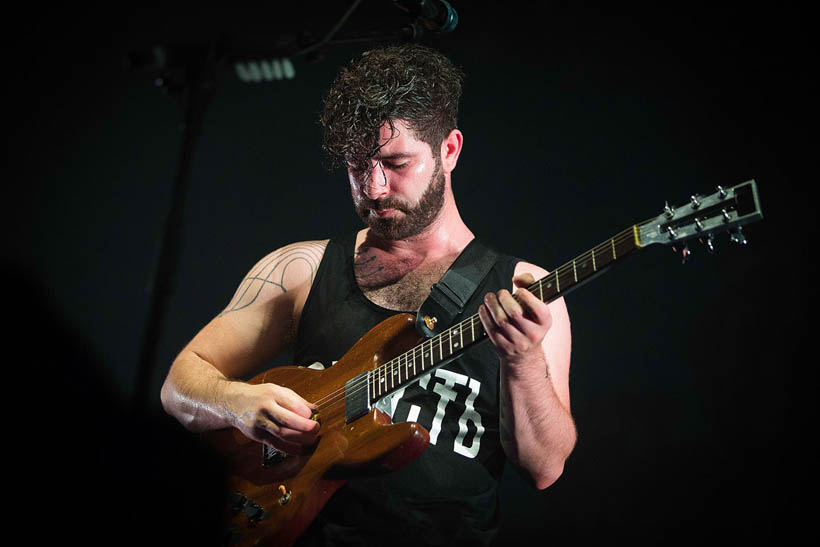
x=237 y=501
x=254 y=513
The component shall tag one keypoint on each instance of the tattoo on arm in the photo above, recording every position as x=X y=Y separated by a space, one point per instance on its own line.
x=271 y=271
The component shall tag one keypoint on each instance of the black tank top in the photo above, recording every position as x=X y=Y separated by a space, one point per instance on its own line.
x=448 y=496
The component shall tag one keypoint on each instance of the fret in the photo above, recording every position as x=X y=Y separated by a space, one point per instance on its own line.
x=422 y=354
x=388 y=377
x=460 y=343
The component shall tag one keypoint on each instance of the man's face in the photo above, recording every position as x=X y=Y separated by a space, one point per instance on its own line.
x=404 y=191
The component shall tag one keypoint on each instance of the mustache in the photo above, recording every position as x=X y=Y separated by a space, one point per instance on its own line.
x=382 y=204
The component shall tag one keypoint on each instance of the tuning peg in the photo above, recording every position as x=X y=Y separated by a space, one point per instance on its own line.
x=738 y=237
x=685 y=253
x=710 y=242
x=695 y=202
x=668 y=211
x=722 y=192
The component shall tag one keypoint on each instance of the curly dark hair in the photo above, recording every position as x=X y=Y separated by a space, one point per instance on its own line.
x=406 y=82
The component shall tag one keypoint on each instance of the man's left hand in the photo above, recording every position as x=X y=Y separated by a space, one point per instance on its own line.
x=516 y=324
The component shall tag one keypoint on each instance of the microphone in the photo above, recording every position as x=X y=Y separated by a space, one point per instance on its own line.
x=434 y=15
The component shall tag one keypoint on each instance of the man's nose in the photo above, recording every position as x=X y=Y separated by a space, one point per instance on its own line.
x=375 y=185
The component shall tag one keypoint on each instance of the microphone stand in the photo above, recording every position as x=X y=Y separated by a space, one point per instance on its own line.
x=194 y=93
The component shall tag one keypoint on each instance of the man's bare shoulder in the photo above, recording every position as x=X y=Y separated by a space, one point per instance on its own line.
x=558 y=306
x=523 y=267
x=286 y=271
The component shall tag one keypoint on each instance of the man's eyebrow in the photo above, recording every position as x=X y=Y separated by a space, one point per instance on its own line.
x=396 y=156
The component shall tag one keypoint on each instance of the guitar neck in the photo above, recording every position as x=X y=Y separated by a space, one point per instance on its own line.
x=448 y=345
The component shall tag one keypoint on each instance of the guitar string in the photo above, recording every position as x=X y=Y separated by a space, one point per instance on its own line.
x=387 y=370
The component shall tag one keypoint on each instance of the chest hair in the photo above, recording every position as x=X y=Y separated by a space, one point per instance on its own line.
x=397 y=284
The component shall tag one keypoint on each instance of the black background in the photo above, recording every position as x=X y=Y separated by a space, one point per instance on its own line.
x=578 y=123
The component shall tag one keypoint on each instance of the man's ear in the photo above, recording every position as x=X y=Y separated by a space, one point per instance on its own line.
x=450 y=150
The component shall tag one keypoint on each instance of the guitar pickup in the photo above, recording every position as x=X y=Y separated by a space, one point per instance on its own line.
x=357 y=397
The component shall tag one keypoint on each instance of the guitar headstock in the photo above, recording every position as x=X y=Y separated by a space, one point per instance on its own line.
x=726 y=210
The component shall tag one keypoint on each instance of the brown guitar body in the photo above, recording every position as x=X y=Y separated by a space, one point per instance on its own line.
x=273 y=503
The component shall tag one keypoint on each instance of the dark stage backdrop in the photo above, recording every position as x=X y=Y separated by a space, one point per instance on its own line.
x=577 y=123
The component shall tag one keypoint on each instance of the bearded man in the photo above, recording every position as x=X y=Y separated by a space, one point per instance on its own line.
x=390 y=120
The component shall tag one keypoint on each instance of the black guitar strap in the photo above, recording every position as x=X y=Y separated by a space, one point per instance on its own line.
x=449 y=296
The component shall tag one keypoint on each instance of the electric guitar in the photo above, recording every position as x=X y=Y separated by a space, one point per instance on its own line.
x=274 y=497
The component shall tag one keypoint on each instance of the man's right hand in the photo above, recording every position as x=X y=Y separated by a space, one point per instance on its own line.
x=274 y=415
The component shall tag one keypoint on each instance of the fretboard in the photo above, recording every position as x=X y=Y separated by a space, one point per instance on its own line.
x=448 y=345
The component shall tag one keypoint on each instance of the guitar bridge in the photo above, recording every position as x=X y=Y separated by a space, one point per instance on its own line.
x=271 y=456
x=357 y=397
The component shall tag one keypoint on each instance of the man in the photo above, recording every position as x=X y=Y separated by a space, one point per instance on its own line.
x=390 y=118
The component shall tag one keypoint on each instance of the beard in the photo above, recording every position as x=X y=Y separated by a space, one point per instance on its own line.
x=414 y=219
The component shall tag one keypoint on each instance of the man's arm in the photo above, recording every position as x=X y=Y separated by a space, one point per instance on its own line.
x=533 y=341
x=203 y=389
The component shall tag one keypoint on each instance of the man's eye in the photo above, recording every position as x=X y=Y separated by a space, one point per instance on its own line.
x=396 y=166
